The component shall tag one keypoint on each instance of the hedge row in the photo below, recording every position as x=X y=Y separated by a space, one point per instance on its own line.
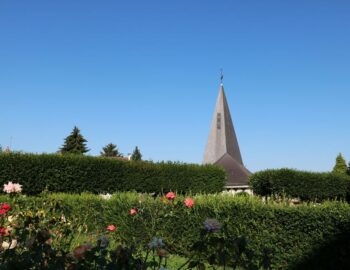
x=76 y=174
x=308 y=186
x=300 y=237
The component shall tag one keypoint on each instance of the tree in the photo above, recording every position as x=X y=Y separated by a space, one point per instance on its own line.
x=340 y=165
x=75 y=143
x=110 y=150
x=349 y=169
x=0 y=148
x=136 y=155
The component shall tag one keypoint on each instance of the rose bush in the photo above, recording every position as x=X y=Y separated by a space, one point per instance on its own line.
x=39 y=235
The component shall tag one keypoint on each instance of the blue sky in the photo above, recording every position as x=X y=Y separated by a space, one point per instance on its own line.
x=146 y=73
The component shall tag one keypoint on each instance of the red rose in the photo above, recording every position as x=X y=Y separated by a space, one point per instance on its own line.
x=3 y=231
x=170 y=196
x=111 y=228
x=6 y=207
x=2 y=211
x=133 y=211
x=189 y=202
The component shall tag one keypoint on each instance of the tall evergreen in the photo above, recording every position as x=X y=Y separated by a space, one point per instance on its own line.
x=136 y=155
x=349 y=169
x=340 y=165
x=110 y=150
x=0 y=148
x=75 y=143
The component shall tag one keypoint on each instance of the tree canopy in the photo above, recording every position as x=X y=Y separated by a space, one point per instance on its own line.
x=75 y=143
x=136 y=155
x=110 y=150
x=340 y=165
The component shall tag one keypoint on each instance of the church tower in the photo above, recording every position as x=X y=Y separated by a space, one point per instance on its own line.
x=222 y=147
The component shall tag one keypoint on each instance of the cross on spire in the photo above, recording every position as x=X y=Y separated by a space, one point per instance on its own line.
x=221 y=76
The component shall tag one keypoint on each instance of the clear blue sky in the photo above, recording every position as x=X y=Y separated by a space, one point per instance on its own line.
x=146 y=73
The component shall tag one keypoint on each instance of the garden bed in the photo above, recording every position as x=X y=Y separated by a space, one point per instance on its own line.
x=316 y=235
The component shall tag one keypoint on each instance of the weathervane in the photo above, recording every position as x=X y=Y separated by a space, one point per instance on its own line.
x=221 y=75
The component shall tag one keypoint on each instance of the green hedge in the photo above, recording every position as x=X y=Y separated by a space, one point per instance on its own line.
x=76 y=174
x=301 y=237
x=308 y=186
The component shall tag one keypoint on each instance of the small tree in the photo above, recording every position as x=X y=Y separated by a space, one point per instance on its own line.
x=349 y=169
x=110 y=150
x=340 y=165
x=0 y=148
x=75 y=143
x=136 y=155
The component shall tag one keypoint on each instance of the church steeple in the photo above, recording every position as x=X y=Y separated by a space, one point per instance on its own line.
x=222 y=147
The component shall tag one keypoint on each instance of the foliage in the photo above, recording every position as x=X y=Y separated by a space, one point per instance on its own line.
x=77 y=173
x=136 y=154
x=293 y=235
x=340 y=165
x=75 y=143
x=110 y=150
x=35 y=233
x=217 y=249
x=308 y=186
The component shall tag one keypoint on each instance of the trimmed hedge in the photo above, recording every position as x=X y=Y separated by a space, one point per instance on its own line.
x=76 y=174
x=308 y=186
x=301 y=237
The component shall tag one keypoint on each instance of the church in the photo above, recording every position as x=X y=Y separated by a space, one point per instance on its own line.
x=222 y=147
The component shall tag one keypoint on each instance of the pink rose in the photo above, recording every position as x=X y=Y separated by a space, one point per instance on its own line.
x=2 y=211
x=189 y=202
x=12 y=187
x=111 y=228
x=170 y=196
x=133 y=211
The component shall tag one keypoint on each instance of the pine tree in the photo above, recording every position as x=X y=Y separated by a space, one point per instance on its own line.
x=136 y=155
x=110 y=150
x=340 y=165
x=349 y=169
x=75 y=143
x=0 y=148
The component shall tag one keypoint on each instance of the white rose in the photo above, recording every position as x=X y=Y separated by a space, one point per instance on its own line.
x=6 y=245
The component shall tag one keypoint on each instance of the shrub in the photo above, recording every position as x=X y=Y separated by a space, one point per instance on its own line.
x=76 y=174
x=294 y=235
x=308 y=186
x=35 y=233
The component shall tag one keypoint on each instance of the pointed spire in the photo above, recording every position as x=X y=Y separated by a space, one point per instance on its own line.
x=222 y=147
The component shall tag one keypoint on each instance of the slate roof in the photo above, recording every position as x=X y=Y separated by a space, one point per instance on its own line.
x=222 y=146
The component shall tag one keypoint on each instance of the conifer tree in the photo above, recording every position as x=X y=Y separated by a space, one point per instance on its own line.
x=340 y=165
x=75 y=143
x=0 y=148
x=136 y=155
x=110 y=150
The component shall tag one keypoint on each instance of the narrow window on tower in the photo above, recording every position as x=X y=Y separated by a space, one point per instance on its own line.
x=218 y=120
